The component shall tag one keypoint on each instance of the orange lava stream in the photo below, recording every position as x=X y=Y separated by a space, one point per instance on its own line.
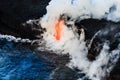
x=59 y=29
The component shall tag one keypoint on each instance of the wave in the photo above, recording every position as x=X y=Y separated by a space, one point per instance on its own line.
x=14 y=39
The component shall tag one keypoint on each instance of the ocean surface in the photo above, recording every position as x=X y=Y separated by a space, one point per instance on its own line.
x=19 y=62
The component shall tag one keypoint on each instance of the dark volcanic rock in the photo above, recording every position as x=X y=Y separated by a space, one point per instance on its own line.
x=22 y=10
x=64 y=73
x=109 y=32
x=91 y=26
x=15 y=12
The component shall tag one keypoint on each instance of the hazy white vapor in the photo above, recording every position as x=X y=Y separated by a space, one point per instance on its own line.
x=75 y=44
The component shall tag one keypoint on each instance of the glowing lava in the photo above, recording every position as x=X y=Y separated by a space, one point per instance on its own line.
x=59 y=29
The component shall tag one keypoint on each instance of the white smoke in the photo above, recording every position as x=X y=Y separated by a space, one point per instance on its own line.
x=100 y=67
x=74 y=44
x=76 y=47
x=99 y=9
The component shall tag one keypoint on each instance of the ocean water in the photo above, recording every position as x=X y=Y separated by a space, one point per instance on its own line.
x=18 y=62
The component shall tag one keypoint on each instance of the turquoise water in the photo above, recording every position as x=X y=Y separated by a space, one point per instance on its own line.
x=20 y=63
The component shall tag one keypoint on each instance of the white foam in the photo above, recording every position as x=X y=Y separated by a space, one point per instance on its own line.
x=12 y=38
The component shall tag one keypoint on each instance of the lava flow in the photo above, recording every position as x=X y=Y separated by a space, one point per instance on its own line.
x=59 y=29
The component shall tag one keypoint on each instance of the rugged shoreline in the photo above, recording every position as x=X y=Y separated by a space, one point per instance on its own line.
x=14 y=13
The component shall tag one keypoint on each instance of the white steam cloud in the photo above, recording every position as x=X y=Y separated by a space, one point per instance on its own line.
x=75 y=44
x=98 y=9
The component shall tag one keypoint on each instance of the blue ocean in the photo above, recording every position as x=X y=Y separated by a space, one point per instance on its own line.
x=19 y=62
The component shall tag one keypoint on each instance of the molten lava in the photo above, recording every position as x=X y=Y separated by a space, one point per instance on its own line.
x=59 y=29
